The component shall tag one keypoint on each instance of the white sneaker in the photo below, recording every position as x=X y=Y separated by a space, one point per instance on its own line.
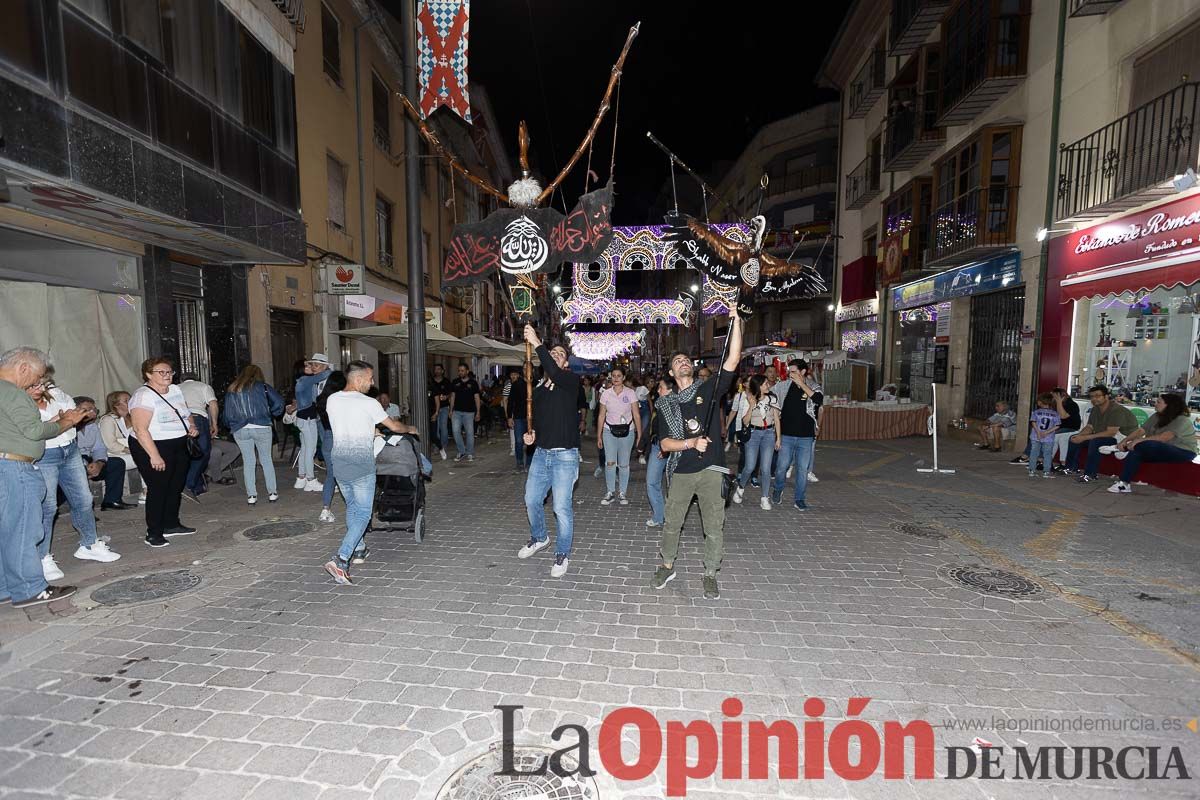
x=560 y=566
x=300 y=483
x=812 y=478
x=642 y=460
x=532 y=547
x=314 y=485
x=1108 y=449
x=251 y=500
x=764 y=504
x=1121 y=487
x=652 y=524
x=470 y=459
x=97 y=552
x=442 y=453
x=50 y=570
x=727 y=446
x=608 y=498
x=597 y=472
x=738 y=491
x=142 y=499
x=272 y=497
x=623 y=500
x=789 y=472
x=326 y=516
x=1120 y=455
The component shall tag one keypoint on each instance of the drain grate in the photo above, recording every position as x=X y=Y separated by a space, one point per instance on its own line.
x=995 y=582
x=477 y=779
x=155 y=586
x=277 y=530
x=919 y=531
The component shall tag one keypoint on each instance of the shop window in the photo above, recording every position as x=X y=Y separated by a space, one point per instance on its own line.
x=104 y=75
x=383 y=231
x=140 y=24
x=22 y=37
x=913 y=353
x=336 y=176
x=189 y=38
x=182 y=121
x=258 y=102
x=331 y=44
x=976 y=195
x=380 y=112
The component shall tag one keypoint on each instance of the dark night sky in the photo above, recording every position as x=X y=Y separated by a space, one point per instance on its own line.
x=702 y=76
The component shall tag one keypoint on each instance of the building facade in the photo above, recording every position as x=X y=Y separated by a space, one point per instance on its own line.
x=148 y=160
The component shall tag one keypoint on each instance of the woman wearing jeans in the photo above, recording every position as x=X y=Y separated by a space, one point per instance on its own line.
x=336 y=383
x=1168 y=437
x=656 y=467
x=158 y=443
x=250 y=405
x=620 y=428
x=758 y=413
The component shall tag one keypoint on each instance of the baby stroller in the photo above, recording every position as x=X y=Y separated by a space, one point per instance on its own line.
x=401 y=473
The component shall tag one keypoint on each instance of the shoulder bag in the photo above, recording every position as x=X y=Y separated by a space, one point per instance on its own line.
x=193 y=447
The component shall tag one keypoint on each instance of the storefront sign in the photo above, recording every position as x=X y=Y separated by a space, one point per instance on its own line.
x=941 y=333
x=1159 y=231
x=433 y=317
x=863 y=308
x=344 y=278
x=983 y=276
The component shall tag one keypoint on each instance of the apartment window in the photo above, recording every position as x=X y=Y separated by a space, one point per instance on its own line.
x=383 y=231
x=182 y=121
x=336 y=175
x=1167 y=66
x=443 y=185
x=140 y=25
x=103 y=75
x=189 y=37
x=977 y=193
x=258 y=101
x=906 y=215
x=331 y=44
x=22 y=37
x=380 y=108
x=229 y=78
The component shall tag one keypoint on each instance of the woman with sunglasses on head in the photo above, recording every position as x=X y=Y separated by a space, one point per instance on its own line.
x=161 y=426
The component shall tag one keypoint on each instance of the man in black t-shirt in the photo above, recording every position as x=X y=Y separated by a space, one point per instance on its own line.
x=466 y=406
x=699 y=467
x=514 y=409
x=439 y=407
x=798 y=418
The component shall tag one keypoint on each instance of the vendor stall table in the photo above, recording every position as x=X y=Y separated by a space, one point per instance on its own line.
x=864 y=421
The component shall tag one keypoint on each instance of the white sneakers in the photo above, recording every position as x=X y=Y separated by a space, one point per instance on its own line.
x=652 y=524
x=622 y=499
x=251 y=500
x=327 y=516
x=1112 y=450
x=442 y=453
x=272 y=497
x=532 y=547
x=50 y=570
x=314 y=485
x=1121 y=487
x=560 y=567
x=812 y=478
x=97 y=552
x=790 y=471
x=641 y=460
x=765 y=504
x=737 y=494
x=300 y=483
x=608 y=498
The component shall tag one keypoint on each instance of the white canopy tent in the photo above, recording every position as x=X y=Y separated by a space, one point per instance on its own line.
x=497 y=352
x=394 y=339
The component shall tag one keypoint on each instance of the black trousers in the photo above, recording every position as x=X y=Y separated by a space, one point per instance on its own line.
x=164 y=489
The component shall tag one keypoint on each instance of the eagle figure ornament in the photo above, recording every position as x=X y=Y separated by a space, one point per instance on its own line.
x=758 y=275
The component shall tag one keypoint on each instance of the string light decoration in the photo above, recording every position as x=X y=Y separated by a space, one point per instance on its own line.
x=604 y=345
x=853 y=341
x=642 y=247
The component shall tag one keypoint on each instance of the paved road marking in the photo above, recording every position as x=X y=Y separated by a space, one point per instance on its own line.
x=1048 y=545
x=876 y=464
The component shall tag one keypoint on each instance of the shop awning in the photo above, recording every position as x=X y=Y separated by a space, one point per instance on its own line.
x=394 y=339
x=497 y=352
x=1139 y=276
x=858 y=280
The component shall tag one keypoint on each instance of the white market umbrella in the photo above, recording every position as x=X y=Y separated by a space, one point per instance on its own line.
x=394 y=339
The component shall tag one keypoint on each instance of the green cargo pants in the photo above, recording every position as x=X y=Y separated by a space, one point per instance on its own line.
x=706 y=487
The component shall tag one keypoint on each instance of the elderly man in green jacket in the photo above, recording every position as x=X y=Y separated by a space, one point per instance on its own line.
x=23 y=438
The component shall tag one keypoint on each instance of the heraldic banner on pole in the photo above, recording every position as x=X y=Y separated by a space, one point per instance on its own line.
x=442 y=27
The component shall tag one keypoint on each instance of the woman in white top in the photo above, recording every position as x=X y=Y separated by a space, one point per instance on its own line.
x=620 y=427
x=114 y=432
x=757 y=411
x=161 y=423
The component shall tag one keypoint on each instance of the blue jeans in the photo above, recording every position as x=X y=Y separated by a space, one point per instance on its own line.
x=616 y=452
x=199 y=465
x=360 y=499
x=1043 y=451
x=644 y=414
x=248 y=441
x=1093 y=454
x=22 y=489
x=464 y=422
x=759 y=452
x=327 y=456
x=443 y=427
x=520 y=426
x=62 y=467
x=555 y=470
x=655 y=468
x=796 y=450
x=1154 y=452
x=310 y=434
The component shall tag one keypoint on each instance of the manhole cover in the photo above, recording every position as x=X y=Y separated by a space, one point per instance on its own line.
x=277 y=530
x=996 y=582
x=919 y=531
x=477 y=779
x=154 y=586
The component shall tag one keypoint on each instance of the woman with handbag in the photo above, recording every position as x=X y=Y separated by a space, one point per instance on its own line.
x=761 y=435
x=162 y=443
x=250 y=405
x=618 y=415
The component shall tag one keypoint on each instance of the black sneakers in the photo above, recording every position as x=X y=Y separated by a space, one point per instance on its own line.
x=156 y=540
x=182 y=530
x=47 y=595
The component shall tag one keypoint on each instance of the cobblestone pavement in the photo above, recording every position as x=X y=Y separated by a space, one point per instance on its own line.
x=266 y=680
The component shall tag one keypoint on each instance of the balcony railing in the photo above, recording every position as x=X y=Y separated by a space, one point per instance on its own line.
x=909 y=139
x=972 y=223
x=1131 y=160
x=912 y=22
x=863 y=183
x=868 y=85
x=1093 y=8
x=807 y=178
x=984 y=60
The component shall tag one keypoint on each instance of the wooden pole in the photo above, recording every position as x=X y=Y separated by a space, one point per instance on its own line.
x=528 y=386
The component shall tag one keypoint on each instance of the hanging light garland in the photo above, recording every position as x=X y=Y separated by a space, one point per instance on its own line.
x=604 y=345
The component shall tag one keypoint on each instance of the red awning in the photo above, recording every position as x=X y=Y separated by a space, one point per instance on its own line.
x=1141 y=276
x=858 y=280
